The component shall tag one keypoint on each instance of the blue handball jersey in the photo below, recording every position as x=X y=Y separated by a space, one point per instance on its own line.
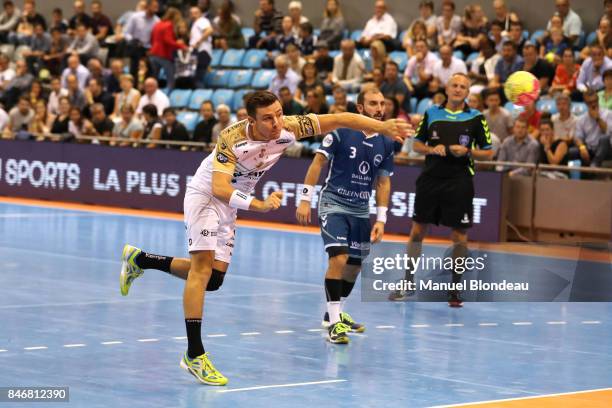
x=355 y=161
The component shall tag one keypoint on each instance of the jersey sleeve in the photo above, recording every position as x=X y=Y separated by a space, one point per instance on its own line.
x=482 y=137
x=329 y=145
x=303 y=126
x=386 y=167
x=225 y=159
x=421 y=132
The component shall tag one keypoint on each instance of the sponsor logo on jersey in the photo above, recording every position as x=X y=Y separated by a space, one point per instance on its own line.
x=283 y=141
x=221 y=158
x=434 y=135
x=241 y=144
x=328 y=140
x=223 y=146
x=466 y=219
x=364 y=167
x=377 y=160
x=206 y=233
x=464 y=140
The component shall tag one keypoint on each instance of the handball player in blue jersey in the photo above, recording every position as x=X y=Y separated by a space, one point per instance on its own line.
x=358 y=163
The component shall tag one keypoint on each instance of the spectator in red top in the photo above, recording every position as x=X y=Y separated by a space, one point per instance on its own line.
x=532 y=116
x=164 y=44
x=566 y=74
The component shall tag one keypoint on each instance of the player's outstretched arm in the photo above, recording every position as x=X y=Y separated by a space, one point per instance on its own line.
x=383 y=191
x=223 y=190
x=398 y=129
x=302 y=214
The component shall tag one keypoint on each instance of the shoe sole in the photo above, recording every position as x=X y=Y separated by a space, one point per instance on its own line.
x=341 y=340
x=455 y=304
x=325 y=324
x=123 y=275
x=200 y=379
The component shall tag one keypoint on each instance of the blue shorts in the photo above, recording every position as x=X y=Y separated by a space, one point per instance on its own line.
x=345 y=234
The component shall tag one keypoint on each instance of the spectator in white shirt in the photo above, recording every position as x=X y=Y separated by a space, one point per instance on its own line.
x=284 y=76
x=381 y=26
x=564 y=120
x=419 y=70
x=572 y=24
x=297 y=19
x=56 y=93
x=448 y=65
x=153 y=96
x=200 y=41
x=348 y=66
x=6 y=72
x=448 y=24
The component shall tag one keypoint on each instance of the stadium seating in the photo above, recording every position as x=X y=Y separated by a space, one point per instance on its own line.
x=413 y=104
x=329 y=100
x=547 y=105
x=537 y=34
x=253 y=59
x=579 y=108
x=216 y=56
x=356 y=35
x=240 y=78
x=514 y=110
x=247 y=33
x=217 y=78
x=591 y=38
x=189 y=119
x=423 y=105
x=237 y=101
x=400 y=58
x=232 y=58
x=262 y=78
x=198 y=96
x=224 y=96
x=179 y=98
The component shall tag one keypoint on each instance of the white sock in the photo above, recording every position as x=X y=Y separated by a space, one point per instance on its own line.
x=342 y=303
x=333 y=309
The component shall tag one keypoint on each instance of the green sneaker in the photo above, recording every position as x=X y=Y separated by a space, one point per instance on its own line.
x=129 y=269
x=354 y=326
x=203 y=369
x=336 y=333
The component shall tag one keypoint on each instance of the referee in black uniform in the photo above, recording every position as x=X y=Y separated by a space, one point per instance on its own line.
x=450 y=136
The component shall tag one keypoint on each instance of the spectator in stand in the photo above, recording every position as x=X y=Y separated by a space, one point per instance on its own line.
x=607 y=10
x=6 y=72
x=224 y=119
x=95 y=93
x=348 y=66
x=594 y=131
x=474 y=101
x=381 y=26
x=112 y=82
x=164 y=44
x=42 y=121
x=286 y=36
x=128 y=128
x=101 y=25
x=605 y=95
x=341 y=102
x=288 y=102
x=533 y=117
x=604 y=34
x=555 y=23
x=519 y=148
x=60 y=124
x=420 y=68
x=40 y=45
x=296 y=61
x=447 y=66
x=378 y=55
x=394 y=86
x=36 y=93
x=592 y=69
x=228 y=31
x=482 y=70
x=144 y=72
x=498 y=118
x=97 y=70
x=297 y=19
x=75 y=68
x=509 y=63
x=152 y=125
x=503 y=16
x=323 y=62
x=564 y=120
x=54 y=96
x=495 y=33
x=128 y=95
x=56 y=56
x=539 y=67
x=19 y=118
x=25 y=28
x=203 y=130
x=552 y=49
x=474 y=24
x=566 y=74
x=315 y=102
x=75 y=95
x=58 y=21
x=78 y=125
x=333 y=25
x=552 y=151
x=174 y=130
x=137 y=34
x=102 y=125
x=418 y=31
x=152 y=94
x=310 y=80
x=516 y=36
x=200 y=40
x=426 y=16
x=572 y=24
x=284 y=76
x=241 y=114
x=18 y=85
x=448 y=24
x=79 y=17
x=306 y=39
x=268 y=21
x=9 y=19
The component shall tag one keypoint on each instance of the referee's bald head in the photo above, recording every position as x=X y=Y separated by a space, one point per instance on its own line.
x=458 y=88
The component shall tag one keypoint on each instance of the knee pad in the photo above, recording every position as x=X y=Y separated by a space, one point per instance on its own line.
x=215 y=281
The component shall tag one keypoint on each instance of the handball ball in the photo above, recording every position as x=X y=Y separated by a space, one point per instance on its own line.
x=522 y=88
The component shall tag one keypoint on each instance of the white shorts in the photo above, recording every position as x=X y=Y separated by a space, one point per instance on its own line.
x=210 y=225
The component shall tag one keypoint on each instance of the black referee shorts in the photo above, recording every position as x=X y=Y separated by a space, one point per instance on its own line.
x=446 y=201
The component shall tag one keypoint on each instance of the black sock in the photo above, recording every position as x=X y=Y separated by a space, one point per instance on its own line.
x=152 y=261
x=194 y=337
x=347 y=287
x=333 y=289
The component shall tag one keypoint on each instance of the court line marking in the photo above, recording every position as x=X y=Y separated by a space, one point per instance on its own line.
x=36 y=348
x=3 y=350
x=315 y=330
x=262 y=387
x=463 y=404
x=147 y=340
x=419 y=326
x=554 y=323
x=215 y=335
x=385 y=327
x=522 y=323
x=591 y=322
x=250 y=334
x=110 y=343
x=180 y=338
x=284 y=331
x=48 y=215
x=488 y=324
x=454 y=325
x=74 y=345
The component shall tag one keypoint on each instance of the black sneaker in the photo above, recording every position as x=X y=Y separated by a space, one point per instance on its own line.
x=346 y=319
x=337 y=333
x=454 y=298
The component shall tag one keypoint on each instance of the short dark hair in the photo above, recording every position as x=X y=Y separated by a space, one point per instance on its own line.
x=8 y=3
x=24 y=98
x=448 y=3
x=58 y=10
x=150 y=109
x=169 y=109
x=207 y=102
x=283 y=89
x=497 y=24
x=391 y=62
x=259 y=99
x=366 y=90
x=509 y=43
x=516 y=24
x=428 y=3
x=547 y=121
x=590 y=93
x=491 y=91
x=607 y=73
x=306 y=27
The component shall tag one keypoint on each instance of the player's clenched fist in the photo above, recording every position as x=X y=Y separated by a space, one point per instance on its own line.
x=273 y=202
x=303 y=213
x=398 y=129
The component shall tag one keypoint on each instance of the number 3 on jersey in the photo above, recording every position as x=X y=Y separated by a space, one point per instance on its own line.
x=353 y=152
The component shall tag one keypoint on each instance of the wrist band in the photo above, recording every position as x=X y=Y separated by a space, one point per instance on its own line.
x=381 y=214
x=307 y=191
x=240 y=200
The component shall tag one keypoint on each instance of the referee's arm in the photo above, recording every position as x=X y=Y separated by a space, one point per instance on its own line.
x=483 y=141
x=420 y=140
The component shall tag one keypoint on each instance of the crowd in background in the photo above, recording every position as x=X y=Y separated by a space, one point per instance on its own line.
x=63 y=77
